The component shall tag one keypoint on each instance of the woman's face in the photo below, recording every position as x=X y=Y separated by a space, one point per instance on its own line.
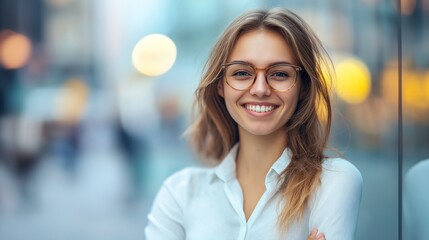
x=260 y=110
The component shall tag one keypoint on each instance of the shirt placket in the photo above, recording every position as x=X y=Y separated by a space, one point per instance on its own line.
x=234 y=194
x=268 y=194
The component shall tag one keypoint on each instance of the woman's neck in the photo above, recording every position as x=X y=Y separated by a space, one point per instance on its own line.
x=257 y=154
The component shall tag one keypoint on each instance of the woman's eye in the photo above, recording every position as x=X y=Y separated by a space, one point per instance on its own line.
x=241 y=74
x=280 y=75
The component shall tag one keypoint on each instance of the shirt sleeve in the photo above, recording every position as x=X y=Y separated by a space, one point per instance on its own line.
x=336 y=205
x=165 y=220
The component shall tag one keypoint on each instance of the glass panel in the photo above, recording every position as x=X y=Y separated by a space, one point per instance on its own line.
x=415 y=102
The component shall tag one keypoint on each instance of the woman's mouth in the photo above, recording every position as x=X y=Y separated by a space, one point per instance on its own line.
x=260 y=108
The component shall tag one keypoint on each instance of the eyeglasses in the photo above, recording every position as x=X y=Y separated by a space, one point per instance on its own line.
x=242 y=75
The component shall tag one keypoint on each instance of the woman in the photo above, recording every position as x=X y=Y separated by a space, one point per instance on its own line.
x=258 y=101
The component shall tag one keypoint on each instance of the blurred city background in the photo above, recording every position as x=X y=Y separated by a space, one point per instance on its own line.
x=89 y=130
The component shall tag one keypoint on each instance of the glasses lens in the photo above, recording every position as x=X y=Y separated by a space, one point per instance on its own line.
x=239 y=76
x=281 y=77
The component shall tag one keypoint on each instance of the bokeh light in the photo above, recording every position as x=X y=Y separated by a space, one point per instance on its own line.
x=154 y=55
x=322 y=111
x=15 y=49
x=413 y=89
x=328 y=74
x=353 y=82
x=415 y=95
x=73 y=101
x=389 y=82
x=408 y=7
x=426 y=88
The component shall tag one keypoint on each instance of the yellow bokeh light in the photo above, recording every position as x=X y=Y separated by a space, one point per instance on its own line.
x=389 y=82
x=327 y=73
x=413 y=89
x=328 y=79
x=154 y=55
x=15 y=50
x=426 y=87
x=321 y=110
x=353 y=81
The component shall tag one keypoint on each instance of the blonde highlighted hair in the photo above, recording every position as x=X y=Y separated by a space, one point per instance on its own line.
x=214 y=132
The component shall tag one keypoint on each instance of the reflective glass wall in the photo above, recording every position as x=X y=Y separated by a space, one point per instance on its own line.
x=415 y=103
x=87 y=134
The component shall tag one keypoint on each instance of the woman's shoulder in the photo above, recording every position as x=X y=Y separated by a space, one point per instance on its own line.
x=339 y=169
x=340 y=182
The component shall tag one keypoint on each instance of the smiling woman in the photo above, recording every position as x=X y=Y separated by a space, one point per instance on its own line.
x=258 y=101
x=264 y=49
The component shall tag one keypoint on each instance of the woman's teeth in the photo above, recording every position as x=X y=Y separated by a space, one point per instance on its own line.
x=259 y=108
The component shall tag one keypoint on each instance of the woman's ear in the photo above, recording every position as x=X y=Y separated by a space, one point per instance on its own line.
x=220 y=88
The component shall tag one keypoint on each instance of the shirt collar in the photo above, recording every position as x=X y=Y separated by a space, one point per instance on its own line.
x=278 y=167
x=226 y=169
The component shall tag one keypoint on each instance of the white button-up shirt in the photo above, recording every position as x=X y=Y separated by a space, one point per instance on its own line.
x=207 y=203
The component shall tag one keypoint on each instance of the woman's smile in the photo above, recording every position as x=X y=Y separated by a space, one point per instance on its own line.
x=260 y=107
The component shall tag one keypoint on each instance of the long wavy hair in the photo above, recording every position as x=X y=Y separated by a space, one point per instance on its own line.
x=214 y=132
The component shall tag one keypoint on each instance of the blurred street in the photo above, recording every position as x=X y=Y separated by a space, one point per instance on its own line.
x=98 y=200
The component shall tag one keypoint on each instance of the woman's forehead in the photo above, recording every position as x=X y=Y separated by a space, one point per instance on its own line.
x=262 y=47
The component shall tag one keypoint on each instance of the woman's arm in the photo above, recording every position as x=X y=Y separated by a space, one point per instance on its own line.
x=334 y=210
x=165 y=218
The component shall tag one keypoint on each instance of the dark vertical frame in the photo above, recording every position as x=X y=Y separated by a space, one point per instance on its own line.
x=400 y=120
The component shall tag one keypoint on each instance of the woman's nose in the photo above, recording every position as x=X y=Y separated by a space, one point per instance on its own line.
x=260 y=86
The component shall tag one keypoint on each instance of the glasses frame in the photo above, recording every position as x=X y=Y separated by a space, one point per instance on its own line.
x=298 y=69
